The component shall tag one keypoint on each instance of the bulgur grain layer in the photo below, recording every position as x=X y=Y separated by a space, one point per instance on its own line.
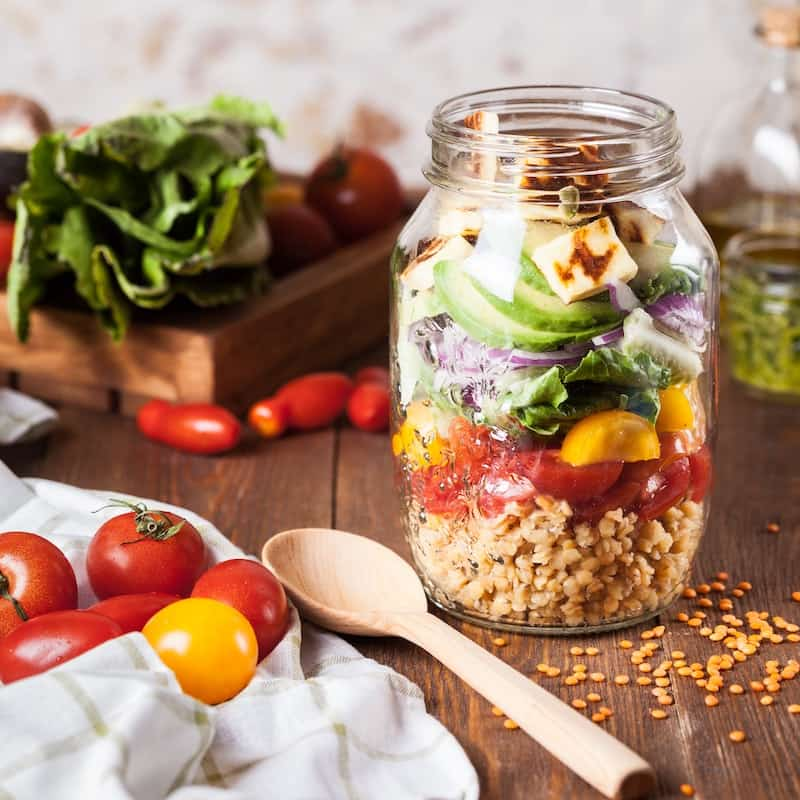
x=537 y=566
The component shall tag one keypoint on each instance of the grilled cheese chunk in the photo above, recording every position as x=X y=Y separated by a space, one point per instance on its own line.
x=580 y=263
x=419 y=272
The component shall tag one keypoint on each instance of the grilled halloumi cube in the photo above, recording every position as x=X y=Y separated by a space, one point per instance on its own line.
x=460 y=222
x=634 y=223
x=419 y=272
x=580 y=263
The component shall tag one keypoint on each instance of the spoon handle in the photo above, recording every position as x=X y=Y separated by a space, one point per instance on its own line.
x=590 y=752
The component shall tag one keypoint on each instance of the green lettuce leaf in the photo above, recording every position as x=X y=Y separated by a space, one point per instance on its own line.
x=145 y=208
x=552 y=401
x=671 y=280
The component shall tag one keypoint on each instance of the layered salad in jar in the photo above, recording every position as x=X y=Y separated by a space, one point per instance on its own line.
x=550 y=433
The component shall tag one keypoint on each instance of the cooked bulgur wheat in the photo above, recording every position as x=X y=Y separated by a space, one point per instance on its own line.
x=538 y=567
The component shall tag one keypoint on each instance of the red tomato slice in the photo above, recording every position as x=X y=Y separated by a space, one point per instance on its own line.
x=622 y=495
x=664 y=489
x=132 y=611
x=550 y=475
x=500 y=489
x=700 y=466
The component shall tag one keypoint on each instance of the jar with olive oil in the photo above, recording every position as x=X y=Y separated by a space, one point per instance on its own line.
x=761 y=285
x=749 y=172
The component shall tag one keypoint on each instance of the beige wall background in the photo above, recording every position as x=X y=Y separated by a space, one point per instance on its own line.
x=370 y=70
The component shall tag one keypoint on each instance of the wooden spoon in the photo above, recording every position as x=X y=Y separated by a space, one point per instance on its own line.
x=352 y=584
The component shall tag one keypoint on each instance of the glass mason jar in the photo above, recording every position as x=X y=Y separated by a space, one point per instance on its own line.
x=554 y=355
x=761 y=286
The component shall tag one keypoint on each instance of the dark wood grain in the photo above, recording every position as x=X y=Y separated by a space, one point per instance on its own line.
x=344 y=478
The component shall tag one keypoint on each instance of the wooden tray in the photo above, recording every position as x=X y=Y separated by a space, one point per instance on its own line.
x=312 y=319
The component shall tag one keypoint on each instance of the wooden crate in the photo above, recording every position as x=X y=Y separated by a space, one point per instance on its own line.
x=312 y=319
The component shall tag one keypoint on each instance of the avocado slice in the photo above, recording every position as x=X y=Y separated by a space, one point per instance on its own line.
x=488 y=319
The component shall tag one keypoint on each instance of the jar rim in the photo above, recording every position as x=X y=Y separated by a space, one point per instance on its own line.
x=663 y=115
x=544 y=130
x=740 y=247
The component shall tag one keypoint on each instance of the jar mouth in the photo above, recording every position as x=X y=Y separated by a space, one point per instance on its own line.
x=534 y=141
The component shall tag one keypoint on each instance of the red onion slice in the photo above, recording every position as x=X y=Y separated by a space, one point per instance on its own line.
x=622 y=297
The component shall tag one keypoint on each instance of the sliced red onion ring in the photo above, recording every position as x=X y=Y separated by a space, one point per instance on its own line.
x=520 y=358
x=684 y=315
x=609 y=337
x=622 y=297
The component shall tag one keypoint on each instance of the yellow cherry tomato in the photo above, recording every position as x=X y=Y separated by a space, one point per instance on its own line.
x=211 y=647
x=676 y=411
x=611 y=436
x=418 y=437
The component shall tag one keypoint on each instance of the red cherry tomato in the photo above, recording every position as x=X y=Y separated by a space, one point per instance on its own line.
x=6 y=246
x=300 y=235
x=145 y=551
x=550 y=475
x=253 y=591
x=664 y=489
x=50 y=640
x=316 y=400
x=35 y=578
x=356 y=191
x=81 y=129
x=372 y=375
x=201 y=428
x=500 y=488
x=150 y=415
x=269 y=417
x=622 y=494
x=440 y=490
x=700 y=466
x=132 y=611
x=369 y=407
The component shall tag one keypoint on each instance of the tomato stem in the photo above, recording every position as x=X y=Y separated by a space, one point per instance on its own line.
x=5 y=593
x=153 y=525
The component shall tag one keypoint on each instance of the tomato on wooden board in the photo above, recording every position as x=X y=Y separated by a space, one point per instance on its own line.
x=132 y=611
x=210 y=646
x=369 y=407
x=35 y=579
x=201 y=428
x=269 y=417
x=702 y=473
x=316 y=400
x=372 y=375
x=253 y=590
x=357 y=191
x=145 y=551
x=550 y=475
x=6 y=246
x=300 y=235
x=50 y=640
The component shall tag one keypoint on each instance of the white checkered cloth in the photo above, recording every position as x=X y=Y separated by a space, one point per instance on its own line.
x=317 y=721
x=23 y=418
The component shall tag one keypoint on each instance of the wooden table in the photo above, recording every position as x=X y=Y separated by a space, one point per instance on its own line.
x=342 y=478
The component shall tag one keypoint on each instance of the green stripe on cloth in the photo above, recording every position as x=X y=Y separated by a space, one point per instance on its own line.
x=380 y=755
x=206 y=730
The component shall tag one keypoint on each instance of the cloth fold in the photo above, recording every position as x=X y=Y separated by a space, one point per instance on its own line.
x=23 y=418
x=318 y=720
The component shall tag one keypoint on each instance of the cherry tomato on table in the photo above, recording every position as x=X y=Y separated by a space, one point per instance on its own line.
x=315 y=400
x=253 y=590
x=201 y=428
x=132 y=611
x=145 y=551
x=50 y=640
x=269 y=417
x=210 y=646
x=356 y=191
x=35 y=578
x=372 y=375
x=369 y=407
x=6 y=246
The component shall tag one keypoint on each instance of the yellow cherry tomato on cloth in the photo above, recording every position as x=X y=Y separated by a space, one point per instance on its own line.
x=210 y=647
